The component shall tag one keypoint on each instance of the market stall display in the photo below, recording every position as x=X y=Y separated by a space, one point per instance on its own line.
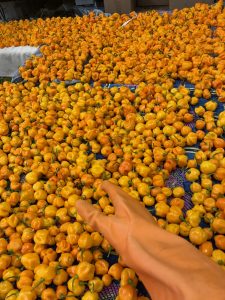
x=121 y=116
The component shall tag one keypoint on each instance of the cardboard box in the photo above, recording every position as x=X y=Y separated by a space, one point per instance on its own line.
x=152 y=2
x=119 y=6
x=186 y=3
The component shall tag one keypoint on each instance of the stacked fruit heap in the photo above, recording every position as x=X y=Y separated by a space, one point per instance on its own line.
x=52 y=136
x=188 y=44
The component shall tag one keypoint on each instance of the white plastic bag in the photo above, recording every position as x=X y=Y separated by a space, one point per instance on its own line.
x=11 y=58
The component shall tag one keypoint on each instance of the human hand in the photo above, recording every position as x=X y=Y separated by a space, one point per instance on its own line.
x=118 y=228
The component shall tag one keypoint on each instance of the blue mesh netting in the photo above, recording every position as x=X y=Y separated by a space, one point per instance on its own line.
x=110 y=292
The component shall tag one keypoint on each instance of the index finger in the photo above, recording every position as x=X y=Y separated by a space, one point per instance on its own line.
x=94 y=217
x=114 y=192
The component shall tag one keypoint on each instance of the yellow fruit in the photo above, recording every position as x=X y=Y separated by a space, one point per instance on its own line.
x=207 y=167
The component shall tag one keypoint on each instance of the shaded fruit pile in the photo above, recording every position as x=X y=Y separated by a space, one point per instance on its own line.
x=187 y=44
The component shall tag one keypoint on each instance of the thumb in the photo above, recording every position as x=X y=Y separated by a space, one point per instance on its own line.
x=92 y=216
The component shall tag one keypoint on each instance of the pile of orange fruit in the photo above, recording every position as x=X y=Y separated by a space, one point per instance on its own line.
x=187 y=44
x=51 y=137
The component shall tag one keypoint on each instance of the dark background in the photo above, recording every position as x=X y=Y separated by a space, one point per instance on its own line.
x=26 y=9
x=22 y=9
